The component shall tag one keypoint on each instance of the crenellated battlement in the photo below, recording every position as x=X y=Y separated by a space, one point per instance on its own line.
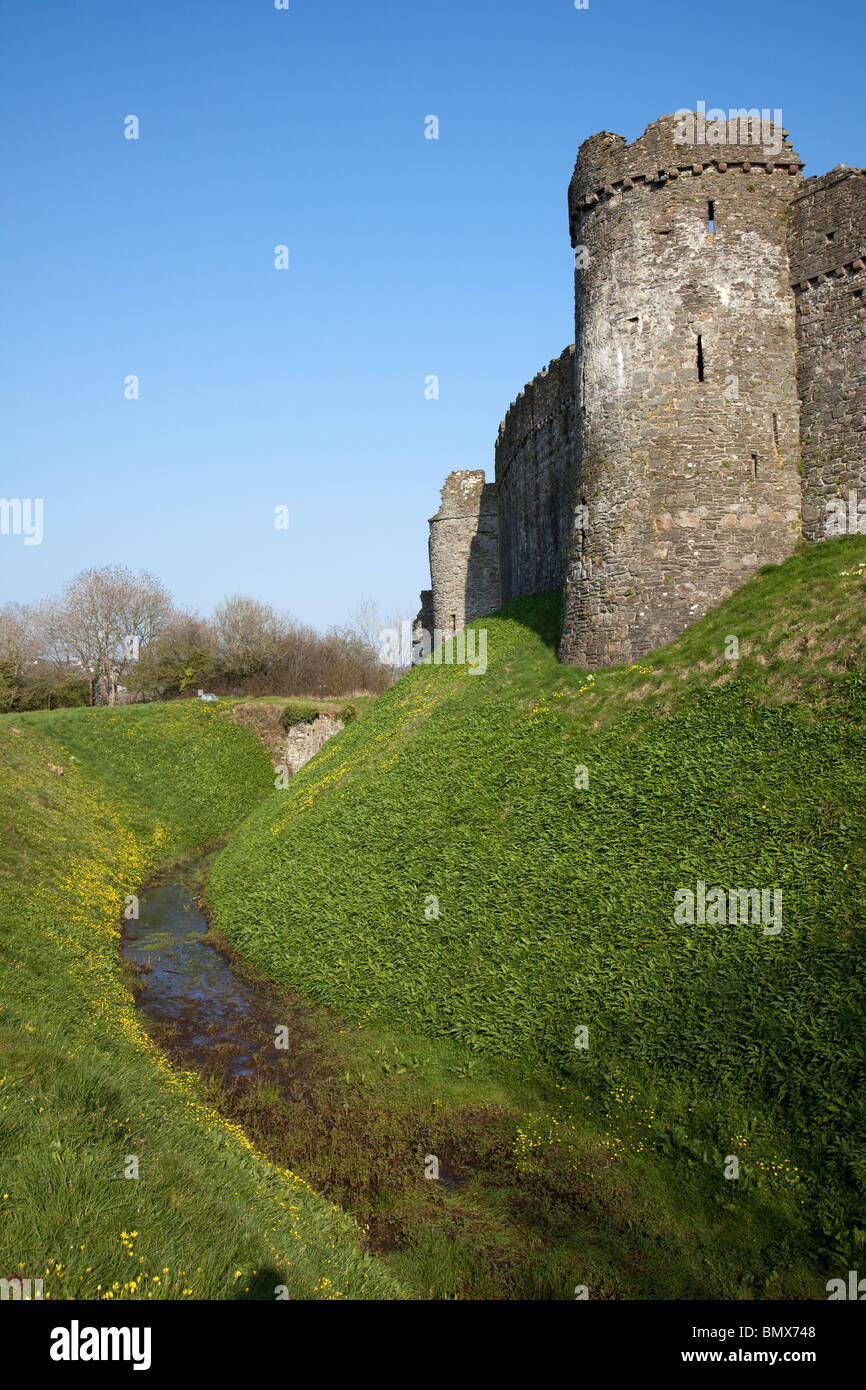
x=539 y=401
x=608 y=168
x=828 y=228
x=534 y=459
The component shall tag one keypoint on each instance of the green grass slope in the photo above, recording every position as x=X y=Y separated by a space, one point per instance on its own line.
x=93 y=801
x=556 y=902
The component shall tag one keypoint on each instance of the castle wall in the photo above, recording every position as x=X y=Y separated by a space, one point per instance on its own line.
x=424 y=616
x=690 y=484
x=535 y=480
x=464 y=551
x=827 y=245
x=422 y=628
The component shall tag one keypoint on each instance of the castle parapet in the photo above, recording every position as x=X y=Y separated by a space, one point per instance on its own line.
x=684 y=143
x=535 y=480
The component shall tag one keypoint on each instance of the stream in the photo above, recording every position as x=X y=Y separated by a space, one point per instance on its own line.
x=205 y=1006
x=213 y=1016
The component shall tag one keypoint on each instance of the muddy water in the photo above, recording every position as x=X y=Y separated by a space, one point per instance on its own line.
x=201 y=1003
x=214 y=1016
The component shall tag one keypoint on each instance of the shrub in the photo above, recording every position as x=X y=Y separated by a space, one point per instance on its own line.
x=43 y=694
x=298 y=714
x=70 y=695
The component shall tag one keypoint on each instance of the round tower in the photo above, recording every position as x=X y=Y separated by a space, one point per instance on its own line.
x=687 y=418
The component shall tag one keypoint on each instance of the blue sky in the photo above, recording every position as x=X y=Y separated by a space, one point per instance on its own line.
x=408 y=257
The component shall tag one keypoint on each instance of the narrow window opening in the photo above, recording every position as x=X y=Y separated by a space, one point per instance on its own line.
x=700 y=358
x=775 y=429
x=711 y=215
x=831 y=236
x=454 y=615
x=581 y=535
x=755 y=464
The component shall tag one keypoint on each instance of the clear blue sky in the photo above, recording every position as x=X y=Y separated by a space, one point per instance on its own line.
x=408 y=257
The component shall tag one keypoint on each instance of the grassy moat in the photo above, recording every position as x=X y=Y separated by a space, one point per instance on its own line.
x=438 y=907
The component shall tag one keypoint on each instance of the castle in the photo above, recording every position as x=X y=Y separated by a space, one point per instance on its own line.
x=710 y=410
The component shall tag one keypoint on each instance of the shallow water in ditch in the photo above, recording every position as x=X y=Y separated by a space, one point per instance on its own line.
x=184 y=980
x=206 y=1010
x=210 y=1013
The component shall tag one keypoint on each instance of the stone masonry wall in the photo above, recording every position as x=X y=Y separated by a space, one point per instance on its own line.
x=827 y=245
x=535 y=481
x=687 y=415
x=464 y=551
x=303 y=741
x=424 y=617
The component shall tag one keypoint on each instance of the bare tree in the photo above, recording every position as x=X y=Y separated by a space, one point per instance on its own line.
x=249 y=635
x=298 y=665
x=384 y=642
x=19 y=649
x=104 y=620
x=18 y=635
x=179 y=656
x=364 y=626
x=109 y=625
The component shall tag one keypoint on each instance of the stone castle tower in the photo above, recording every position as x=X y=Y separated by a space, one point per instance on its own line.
x=688 y=417
x=712 y=404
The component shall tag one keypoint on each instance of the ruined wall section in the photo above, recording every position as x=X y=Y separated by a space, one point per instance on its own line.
x=423 y=618
x=464 y=551
x=535 y=481
x=827 y=247
x=687 y=416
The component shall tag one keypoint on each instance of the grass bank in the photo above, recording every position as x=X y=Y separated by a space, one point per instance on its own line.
x=444 y=875
x=93 y=801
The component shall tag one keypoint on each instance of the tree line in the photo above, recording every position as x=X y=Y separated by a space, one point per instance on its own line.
x=111 y=636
